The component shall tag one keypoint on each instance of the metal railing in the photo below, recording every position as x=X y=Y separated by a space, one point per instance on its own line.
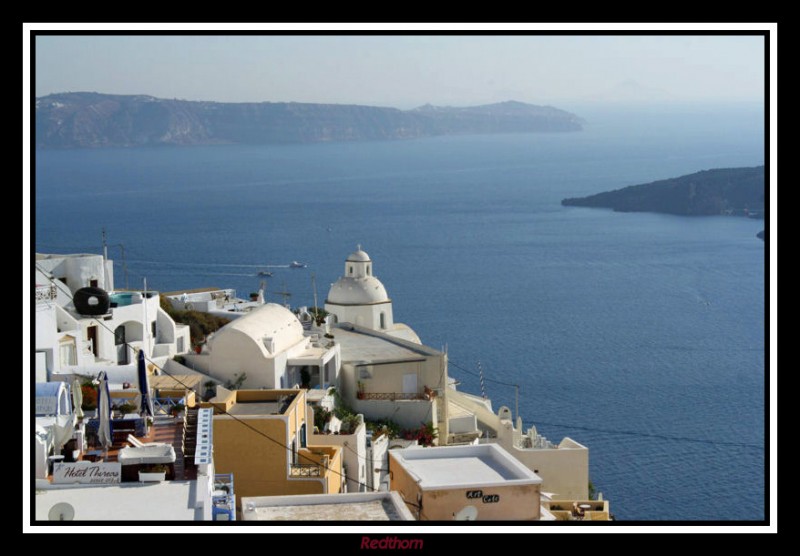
x=46 y=293
x=166 y=404
x=391 y=396
x=305 y=470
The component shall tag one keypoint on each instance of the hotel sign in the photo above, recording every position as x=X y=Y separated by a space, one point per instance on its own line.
x=87 y=472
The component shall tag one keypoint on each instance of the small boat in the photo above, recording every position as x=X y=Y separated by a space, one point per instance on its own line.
x=265 y=273
x=295 y=264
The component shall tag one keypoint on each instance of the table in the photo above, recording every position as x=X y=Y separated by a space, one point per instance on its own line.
x=93 y=455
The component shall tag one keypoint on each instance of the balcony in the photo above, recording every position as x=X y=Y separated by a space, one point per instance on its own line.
x=223 y=506
x=45 y=293
x=391 y=396
x=305 y=470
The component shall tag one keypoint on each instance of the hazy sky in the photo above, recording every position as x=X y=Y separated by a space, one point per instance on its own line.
x=406 y=71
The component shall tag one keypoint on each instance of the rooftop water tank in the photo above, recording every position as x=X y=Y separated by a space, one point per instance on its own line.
x=91 y=301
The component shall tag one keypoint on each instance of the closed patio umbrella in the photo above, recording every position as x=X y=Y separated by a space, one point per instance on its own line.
x=77 y=398
x=105 y=429
x=144 y=385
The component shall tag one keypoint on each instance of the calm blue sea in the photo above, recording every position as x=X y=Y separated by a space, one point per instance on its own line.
x=638 y=335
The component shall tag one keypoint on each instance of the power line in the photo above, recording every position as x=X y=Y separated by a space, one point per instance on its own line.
x=450 y=361
x=287 y=448
x=655 y=435
x=626 y=432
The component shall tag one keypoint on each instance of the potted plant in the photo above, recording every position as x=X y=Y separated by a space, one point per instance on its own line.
x=126 y=408
x=152 y=473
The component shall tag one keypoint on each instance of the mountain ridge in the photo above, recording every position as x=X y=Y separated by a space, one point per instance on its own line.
x=728 y=191
x=90 y=119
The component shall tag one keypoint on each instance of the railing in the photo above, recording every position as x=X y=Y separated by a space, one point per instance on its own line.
x=305 y=470
x=166 y=404
x=391 y=396
x=46 y=293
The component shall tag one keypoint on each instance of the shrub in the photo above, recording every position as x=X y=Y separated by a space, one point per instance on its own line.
x=424 y=435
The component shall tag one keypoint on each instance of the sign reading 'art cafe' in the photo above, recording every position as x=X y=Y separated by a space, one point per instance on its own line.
x=86 y=472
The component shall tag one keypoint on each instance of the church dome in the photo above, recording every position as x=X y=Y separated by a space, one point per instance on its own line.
x=358 y=256
x=366 y=290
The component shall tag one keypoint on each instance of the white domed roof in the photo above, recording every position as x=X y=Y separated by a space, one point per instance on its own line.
x=270 y=320
x=358 y=256
x=366 y=290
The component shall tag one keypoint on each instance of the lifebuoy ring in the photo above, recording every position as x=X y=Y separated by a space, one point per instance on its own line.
x=189 y=307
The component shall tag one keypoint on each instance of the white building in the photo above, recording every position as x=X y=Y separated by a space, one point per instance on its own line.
x=386 y=377
x=366 y=506
x=360 y=298
x=215 y=301
x=269 y=347
x=564 y=467
x=69 y=343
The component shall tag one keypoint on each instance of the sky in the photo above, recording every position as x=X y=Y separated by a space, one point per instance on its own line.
x=408 y=70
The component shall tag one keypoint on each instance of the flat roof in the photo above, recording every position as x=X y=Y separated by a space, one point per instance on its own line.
x=257 y=408
x=175 y=382
x=165 y=501
x=195 y=290
x=360 y=345
x=367 y=506
x=460 y=466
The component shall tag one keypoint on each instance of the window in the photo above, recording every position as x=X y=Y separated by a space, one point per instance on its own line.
x=68 y=355
x=383 y=320
x=351 y=269
x=119 y=335
x=153 y=328
x=93 y=283
x=180 y=346
x=368 y=270
x=303 y=442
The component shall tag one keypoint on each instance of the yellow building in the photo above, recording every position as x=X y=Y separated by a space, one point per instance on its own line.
x=260 y=437
x=474 y=482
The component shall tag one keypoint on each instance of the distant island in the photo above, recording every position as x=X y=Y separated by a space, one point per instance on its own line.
x=726 y=191
x=80 y=120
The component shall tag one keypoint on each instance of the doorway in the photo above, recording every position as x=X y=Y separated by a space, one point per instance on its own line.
x=91 y=337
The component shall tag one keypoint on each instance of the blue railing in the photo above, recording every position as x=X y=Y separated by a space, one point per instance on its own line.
x=223 y=500
x=165 y=405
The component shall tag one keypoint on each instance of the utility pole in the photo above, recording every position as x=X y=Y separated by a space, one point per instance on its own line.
x=314 y=287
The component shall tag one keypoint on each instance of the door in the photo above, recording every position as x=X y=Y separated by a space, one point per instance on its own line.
x=41 y=366
x=122 y=347
x=410 y=384
x=91 y=336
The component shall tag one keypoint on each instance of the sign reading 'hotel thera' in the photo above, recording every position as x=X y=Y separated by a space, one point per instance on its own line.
x=86 y=472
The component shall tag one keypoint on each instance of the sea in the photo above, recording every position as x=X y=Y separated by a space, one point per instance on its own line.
x=641 y=336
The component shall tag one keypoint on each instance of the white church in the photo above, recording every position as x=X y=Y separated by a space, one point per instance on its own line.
x=360 y=298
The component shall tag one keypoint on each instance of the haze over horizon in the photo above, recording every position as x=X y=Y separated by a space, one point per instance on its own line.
x=407 y=71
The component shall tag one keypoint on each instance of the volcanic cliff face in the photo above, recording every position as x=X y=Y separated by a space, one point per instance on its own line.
x=97 y=120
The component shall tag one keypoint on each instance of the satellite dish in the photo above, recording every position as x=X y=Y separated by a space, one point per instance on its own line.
x=468 y=513
x=61 y=512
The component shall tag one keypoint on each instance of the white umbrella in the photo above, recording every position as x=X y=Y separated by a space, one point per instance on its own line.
x=77 y=398
x=104 y=411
